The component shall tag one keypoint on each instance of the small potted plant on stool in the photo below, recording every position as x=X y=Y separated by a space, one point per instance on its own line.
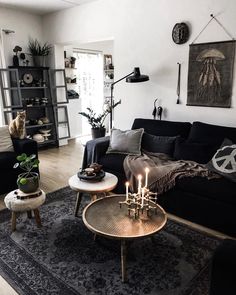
x=28 y=182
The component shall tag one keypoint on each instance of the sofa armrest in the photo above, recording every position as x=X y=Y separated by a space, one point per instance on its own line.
x=27 y=146
x=223 y=275
x=94 y=150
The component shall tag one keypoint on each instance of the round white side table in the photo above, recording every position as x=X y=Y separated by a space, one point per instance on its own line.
x=107 y=184
x=26 y=205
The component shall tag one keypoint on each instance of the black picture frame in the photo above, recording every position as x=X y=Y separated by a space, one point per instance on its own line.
x=210 y=74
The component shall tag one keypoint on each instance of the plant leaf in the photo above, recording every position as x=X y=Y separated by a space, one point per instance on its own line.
x=21 y=157
x=16 y=165
x=23 y=181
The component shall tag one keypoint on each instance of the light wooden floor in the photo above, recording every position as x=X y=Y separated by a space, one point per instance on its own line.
x=56 y=166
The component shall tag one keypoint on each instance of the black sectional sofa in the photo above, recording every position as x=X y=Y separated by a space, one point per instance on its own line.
x=8 y=175
x=211 y=203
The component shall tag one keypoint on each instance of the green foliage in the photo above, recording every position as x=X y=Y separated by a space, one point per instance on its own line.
x=26 y=163
x=36 y=49
x=97 y=121
x=23 y=181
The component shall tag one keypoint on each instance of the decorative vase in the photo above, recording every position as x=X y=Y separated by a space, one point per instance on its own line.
x=98 y=132
x=32 y=183
x=39 y=61
x=15 y=61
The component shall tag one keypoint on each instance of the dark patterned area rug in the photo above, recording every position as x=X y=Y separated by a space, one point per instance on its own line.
x=62 y=257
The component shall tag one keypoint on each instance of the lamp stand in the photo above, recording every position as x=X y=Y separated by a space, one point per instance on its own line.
x=133 y=77
x=111 y=98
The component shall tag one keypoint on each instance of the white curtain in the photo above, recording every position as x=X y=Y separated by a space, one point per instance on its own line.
x=2 y=65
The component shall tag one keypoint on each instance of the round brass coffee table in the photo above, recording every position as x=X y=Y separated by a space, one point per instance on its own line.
x=105 y=217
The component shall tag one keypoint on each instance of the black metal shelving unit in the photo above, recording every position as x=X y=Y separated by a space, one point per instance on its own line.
x=42 y=93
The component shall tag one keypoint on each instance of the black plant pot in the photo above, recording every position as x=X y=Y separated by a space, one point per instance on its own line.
x=98 y=132
x=32 y=183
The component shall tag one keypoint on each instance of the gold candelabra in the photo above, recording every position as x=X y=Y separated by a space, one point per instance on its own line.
x=141 y=202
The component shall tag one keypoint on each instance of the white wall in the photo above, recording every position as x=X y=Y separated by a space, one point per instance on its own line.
x=142 y=37
x=24 y=24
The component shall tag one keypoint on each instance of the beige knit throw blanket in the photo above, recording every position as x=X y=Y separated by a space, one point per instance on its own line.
x=163 y=171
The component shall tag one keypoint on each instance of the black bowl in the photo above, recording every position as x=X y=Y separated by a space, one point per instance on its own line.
x=96 y=177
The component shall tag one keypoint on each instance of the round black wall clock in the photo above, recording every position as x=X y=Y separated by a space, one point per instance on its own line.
x=180 y=33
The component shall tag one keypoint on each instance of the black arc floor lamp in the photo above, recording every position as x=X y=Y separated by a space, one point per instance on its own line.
x=133 y=77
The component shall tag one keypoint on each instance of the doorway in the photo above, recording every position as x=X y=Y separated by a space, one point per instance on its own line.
x=90 y=83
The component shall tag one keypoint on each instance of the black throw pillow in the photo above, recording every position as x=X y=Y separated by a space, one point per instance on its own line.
x=158 y=144
x=192 y=151
x=224 y=160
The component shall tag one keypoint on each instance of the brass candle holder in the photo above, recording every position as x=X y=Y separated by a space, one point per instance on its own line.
x=140 y=203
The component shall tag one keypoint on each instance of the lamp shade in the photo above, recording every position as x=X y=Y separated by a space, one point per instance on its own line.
x=136 y=77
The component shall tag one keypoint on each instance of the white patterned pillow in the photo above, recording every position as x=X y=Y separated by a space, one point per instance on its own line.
x=5 y=140
x=224 y=160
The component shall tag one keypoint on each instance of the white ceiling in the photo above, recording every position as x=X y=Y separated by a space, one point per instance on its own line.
x=41 y=6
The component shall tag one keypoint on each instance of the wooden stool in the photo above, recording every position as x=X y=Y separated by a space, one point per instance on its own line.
x=26 y=205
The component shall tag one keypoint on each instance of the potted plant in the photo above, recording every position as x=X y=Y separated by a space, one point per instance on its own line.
x=28 y=182
x=97 y=121
x=39 y=52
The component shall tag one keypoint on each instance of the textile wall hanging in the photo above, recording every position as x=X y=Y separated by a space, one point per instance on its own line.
x=210 y=74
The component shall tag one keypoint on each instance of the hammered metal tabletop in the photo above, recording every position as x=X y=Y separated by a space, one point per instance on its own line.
x=105 y=217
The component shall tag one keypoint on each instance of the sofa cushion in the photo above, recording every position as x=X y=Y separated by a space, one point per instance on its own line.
x=113 y=161
x=224 y=160
x=218 y=189
x=198 y=152
x=6 y=144
x=126 y=142
x=7 y=160
x=202 y=132
x=158 y=144
x=163 y=128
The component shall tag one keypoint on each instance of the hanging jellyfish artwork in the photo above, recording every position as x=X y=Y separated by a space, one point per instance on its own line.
x=211 y=65
x=209 y=78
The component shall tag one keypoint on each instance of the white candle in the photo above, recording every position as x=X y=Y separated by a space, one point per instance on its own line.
x=146 y=176
x=142 y=201
x=139 y=183
x=127 y=190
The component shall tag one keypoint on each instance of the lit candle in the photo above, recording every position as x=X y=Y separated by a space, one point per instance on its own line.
x=142 y=200
x=146 y=178
x=127 y=190
x=139 y=183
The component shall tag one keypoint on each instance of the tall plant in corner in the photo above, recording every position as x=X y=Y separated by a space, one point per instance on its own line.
x=38 y=51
